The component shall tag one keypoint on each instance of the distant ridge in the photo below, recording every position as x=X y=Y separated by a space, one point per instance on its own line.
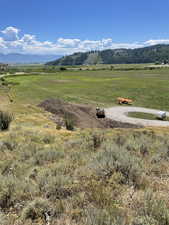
x=26 y=58
x=152 y=54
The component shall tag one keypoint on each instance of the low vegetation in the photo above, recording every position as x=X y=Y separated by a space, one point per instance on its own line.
x=86 y=177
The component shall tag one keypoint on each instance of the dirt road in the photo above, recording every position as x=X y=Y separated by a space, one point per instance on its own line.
x=120 y=113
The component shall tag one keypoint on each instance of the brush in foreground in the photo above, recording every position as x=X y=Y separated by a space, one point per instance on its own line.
x=5 y=120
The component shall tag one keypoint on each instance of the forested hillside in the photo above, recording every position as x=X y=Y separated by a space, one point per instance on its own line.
x=157 y=53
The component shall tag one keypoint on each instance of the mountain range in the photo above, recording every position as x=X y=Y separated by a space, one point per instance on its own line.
x=26 y=58
x=151 y=54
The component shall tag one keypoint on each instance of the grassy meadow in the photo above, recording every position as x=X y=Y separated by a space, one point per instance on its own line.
x=148 y=88
x=89 y=176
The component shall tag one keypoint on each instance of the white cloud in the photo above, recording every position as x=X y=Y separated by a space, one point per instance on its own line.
x=10 y=34
x=156 y=42
x=2 y=43
x=27 y=38
x=70 y=43
x=12 y=42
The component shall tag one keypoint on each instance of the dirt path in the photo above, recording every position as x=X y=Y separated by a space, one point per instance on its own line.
x=120 y=113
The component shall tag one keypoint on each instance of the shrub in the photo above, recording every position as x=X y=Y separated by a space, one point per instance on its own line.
x=36 y=209
x=58 y=127
x=7 y=186
x=95 y=216
x=144 y=220
x=116 y=159
x=14 y=191
x=62 y=68
x=54 y=187
x=47 y=155
x=4 y=220
x=49 y=139
x=2 y=79
x=88 y=141
x=97 y=138
x=154 y=210
x=5 y=120
x=69 y=121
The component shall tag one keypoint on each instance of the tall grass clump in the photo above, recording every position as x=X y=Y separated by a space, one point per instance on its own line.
x=5 y=120
x=69 y=121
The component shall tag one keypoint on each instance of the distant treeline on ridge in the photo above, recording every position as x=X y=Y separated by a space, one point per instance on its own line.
x=152 y=54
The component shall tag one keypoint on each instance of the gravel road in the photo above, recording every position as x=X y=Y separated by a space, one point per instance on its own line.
x=120 y=113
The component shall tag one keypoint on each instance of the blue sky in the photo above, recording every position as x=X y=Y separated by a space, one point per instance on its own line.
x=66 y=26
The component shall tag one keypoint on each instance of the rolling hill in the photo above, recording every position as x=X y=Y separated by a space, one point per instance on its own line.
x=152 y=54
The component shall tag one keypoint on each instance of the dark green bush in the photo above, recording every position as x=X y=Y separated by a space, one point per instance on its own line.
x=69 y=121
x=5 y=120
x=62 y=68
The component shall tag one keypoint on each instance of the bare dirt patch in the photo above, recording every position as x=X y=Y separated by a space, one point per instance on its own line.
x=84 y=116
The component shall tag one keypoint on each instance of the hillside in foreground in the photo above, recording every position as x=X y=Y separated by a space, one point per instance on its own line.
x=89 y=177
x=157 y=53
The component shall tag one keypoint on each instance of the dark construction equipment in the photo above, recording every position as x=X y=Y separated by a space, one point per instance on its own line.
x=100 y=113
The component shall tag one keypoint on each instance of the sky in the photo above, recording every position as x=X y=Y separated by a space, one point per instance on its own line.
x=63 y=27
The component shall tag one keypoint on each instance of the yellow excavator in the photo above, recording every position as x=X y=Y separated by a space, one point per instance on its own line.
x=124 y=101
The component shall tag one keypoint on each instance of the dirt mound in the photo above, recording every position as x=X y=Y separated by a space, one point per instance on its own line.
x=84 y=116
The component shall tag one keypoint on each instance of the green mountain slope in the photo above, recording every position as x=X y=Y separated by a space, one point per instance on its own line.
x=117 y=56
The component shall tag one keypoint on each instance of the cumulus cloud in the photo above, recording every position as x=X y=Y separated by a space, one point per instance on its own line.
x=12 y=42
x=10 y=34
x=27 y=38
x=70 y=43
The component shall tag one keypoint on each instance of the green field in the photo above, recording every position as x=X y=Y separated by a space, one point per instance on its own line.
x=148 y=88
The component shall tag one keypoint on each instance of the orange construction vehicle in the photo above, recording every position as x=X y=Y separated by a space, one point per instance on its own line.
x=124 y=101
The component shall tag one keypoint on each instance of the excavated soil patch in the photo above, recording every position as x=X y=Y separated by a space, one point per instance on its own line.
x=84 y=116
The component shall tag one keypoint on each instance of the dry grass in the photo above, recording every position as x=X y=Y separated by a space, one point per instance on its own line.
x=50 y=176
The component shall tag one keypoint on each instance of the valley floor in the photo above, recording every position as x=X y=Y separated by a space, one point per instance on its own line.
x=88 y=176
